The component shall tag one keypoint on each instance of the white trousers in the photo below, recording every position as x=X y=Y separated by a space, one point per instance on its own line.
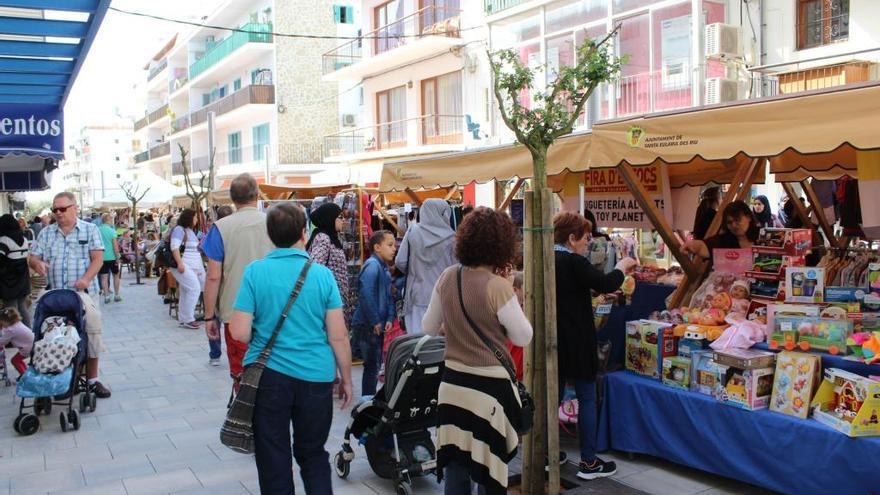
x=190 y=284
x=413 y=319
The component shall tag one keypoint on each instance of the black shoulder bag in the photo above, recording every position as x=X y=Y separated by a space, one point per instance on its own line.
x=527 y=410
x=237 y=431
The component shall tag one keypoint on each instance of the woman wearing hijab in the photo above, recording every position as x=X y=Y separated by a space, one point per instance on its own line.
x=324 y=246
x=15 y=280
x=765 y=217
x=426 y=250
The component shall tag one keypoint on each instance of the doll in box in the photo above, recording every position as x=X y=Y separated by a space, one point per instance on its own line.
x=739 y=294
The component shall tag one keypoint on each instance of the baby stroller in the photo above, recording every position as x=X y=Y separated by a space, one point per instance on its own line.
x=393 y=425
x=67 y=304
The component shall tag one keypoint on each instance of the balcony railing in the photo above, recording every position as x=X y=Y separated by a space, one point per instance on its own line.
x=142 y=156
x=250 y=33
x=249 y=94
x=141 y=123
x=157 y=69
x=429 y=130
x=158 y=113
x=429 y=21
x=177 y=83
x=496 y=6
x=252 y=155
x=180 y=124
x=161 y=149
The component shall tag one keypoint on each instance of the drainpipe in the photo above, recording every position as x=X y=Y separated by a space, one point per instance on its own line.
x=761 y=55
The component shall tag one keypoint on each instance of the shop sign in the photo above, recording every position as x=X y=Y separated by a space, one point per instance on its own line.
x=607 y=195
x=35 y=129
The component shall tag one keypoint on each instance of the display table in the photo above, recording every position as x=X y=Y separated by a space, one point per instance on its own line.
x=646 y=299
x=764 y=448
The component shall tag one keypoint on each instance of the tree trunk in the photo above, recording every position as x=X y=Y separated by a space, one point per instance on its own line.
x=134 y=242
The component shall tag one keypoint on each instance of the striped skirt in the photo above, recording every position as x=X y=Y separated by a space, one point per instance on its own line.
x=476 y=415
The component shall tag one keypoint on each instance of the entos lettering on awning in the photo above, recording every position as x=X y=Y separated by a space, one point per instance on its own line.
x=32 y=130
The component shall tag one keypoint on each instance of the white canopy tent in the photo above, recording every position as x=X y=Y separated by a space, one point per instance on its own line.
x=158 y=192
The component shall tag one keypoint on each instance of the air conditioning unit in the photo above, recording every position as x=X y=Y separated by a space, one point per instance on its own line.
x=349 y=120
x=723 y=41
x=721 y=90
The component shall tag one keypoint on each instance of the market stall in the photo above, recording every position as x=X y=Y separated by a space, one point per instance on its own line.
x=709 y=406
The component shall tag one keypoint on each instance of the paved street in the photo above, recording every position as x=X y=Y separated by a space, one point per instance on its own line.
x=158 y=434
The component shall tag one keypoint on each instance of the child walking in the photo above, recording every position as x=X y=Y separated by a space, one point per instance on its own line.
x=375 y=312
x=15 y=333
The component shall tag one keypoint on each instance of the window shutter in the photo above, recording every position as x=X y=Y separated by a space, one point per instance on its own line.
x=337 y=14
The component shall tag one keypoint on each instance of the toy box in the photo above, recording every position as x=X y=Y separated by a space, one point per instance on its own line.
x=797 y=376
x=745 y=388
x=745 y=358
x=677 y=372
x=849 y=403
x=805 y=284
x=793 y=242
x=874 y=278
x=851 y=296
x=772 y=264
x=647 y=343
x=704 y=373
x=686 y=347
x=808 y=332
x=732 y=261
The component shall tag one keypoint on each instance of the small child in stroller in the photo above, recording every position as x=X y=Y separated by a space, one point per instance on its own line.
x=14 y=333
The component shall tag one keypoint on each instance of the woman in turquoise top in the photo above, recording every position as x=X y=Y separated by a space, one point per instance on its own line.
x=296 y=386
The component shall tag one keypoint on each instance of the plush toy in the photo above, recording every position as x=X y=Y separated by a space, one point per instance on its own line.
x=739 y=294
x=713 y=317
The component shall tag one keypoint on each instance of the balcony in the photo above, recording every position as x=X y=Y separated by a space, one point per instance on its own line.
x=427 y=32
x=495 y=6
x=177 y=83
x=180 y=124
x=253 y=94
x=432 y=133
x=158 y=151
x=155 y=71
x=249 y=158
x=141 y=123
x=251 y=33
x=792 y=80
x=152 y=117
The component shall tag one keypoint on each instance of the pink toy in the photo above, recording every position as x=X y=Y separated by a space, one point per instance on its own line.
x=741 y=334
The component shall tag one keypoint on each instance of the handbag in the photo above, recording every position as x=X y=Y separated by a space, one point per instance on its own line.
x=163 y=251
x=237 y=431
x=526 y=414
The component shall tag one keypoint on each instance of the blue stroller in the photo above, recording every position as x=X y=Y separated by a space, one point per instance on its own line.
x=39 y=392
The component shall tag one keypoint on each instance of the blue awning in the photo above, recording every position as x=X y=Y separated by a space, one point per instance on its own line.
x=43 y=44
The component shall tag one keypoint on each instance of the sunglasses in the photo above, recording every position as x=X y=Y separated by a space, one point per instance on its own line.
x=62 y=209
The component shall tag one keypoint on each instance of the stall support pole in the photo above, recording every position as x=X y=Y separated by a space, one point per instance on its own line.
x=388 y=218
x=656 y=217
x=799 y=206
x=827 y=229
x=450 y=193
x=415 y=199
x=504 y=204
x=740 y=185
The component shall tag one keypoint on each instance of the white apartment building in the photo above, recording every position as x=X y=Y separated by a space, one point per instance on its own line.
x=422 y=86
x=97 y=161
x=270 y=106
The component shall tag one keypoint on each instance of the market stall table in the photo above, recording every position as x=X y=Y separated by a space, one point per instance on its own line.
x=764 y=448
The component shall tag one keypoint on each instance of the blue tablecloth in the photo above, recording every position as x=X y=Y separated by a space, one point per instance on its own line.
x=763 y=448
x=646 y=299
x=829 y=361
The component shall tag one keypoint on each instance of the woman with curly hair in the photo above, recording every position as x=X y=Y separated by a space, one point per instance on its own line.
x=479 y=405
x=576 y=277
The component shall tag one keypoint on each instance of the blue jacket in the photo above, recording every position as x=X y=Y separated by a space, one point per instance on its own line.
x=375 y=304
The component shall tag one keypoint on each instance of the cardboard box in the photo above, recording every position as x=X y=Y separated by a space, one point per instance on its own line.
x=704 y=373
x=793 y=242
x=805 y=284
x=796 y=379
x=647 y=343
x=745 y=388
x=808 y=332
x=849 y=403
x=677 y=372
x=686 y=347
x=745 y=358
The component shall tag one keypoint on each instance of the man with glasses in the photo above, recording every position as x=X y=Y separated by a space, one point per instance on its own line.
x=69 y=253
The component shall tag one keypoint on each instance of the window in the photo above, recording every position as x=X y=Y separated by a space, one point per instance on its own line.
x=261 y=140
x=234 y=147
x=387 y=29
x=433 y=12
x=236 y=85
x=821 y=22
x=222 y=91
x=343 y=14
x=441 y=109
x=568 y=14
x=206 y=98
x=390 y=115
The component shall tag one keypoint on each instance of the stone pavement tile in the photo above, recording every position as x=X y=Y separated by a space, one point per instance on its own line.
x=176 y=410
x=201 y=419
x=139 y=385
x=198 y=457
x=170 y=380
x=225 y=453
x=224 y=489
x=733 y=487
x=182 y=479
x=160 y=427
x=124 y=419
x=117 y=469
x=31 y=463
x=203 y=436
x=102 y=436
x=49 y=437
x=53 y=480
x=242 y=469
x=114 y=487
x=145 y=404
x=89 y=454
x=4 y=485
x=140 y=445
x=660 y=481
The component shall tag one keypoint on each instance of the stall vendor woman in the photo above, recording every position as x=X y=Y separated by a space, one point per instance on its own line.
x=739 y=229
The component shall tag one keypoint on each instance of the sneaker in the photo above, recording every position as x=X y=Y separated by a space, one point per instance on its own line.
x=597 y=469
x=214 y=361
x=100 y=390
x=106 y=299
x=117 y=298
x=563 y=458
x=194 y=325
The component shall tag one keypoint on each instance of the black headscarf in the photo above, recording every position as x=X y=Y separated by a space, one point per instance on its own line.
x=324 y=220
x=765 y=218
x=10 y=228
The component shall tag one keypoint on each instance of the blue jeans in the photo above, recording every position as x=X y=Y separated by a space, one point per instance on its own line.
x=587 y=421
x=457 y=481
x=371 y=352
x=214 y=345
x=282 y=399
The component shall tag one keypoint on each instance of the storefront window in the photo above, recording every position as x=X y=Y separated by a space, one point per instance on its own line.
x=597 y=108
x=633 y=90
x=822 y=22
x=519 y=29
x=673 y=72
x=627 y=5
x=530 y=56
x=568 y=14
